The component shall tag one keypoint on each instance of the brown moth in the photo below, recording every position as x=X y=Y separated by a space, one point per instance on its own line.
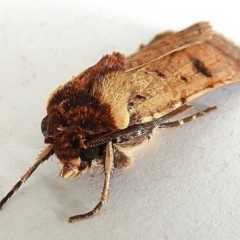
x=101 y=115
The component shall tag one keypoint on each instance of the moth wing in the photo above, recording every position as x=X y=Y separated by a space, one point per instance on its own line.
x=165 y=82
x=167 y=43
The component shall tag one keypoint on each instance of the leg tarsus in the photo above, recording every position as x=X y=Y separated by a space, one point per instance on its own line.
x=86 y=215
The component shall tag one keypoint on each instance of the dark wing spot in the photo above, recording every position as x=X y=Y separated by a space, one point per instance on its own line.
x=183 y=100
x=160 y=74
x=211 y=86
x=130 y=105
x=184 y=79
x=141 y=97
x=199 y=65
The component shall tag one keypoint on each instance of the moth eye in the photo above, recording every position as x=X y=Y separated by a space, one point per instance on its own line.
x=89 y=153
x=130 y=105
x=44 y=126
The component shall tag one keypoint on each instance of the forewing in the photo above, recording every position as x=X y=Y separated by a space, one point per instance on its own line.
x=169 y=43
x=167 y=82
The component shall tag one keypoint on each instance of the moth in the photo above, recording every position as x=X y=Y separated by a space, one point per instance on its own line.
x=101 y=115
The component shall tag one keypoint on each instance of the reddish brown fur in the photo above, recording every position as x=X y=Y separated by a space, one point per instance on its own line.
x=82 y=101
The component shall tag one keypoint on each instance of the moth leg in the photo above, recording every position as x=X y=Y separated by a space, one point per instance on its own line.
x=177 y=111
x=123 y=151
x=108 y=168
x=42 y=157
x=180 y=110
x=187 y=119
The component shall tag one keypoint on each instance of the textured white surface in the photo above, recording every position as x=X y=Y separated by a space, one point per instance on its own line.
x=184 y=183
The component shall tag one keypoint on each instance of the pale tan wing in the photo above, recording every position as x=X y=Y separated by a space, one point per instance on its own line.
x=169 y=43
x=165 y=84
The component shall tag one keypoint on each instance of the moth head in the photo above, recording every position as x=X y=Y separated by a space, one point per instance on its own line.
x=70 y=149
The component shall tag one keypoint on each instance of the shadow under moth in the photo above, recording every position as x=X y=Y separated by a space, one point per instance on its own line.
x=101 y=115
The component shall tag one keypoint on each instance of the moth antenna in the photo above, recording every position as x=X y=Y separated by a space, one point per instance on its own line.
x=44 y=155
x=134 y=128
x=108 y=168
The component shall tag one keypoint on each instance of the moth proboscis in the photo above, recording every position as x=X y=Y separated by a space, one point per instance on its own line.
x=101 y=115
